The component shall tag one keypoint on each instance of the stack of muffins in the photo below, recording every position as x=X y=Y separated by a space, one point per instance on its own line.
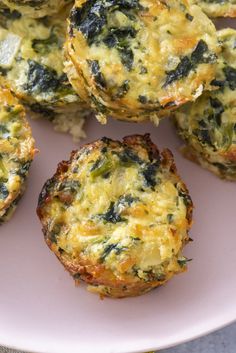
x=117 y=214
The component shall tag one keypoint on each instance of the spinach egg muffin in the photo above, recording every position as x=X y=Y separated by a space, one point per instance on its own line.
x=117 y=216
x=208 y=126
x=137 y=59
x=218 y=8
x=36 y=8
x=16 y=153
x=32 y=67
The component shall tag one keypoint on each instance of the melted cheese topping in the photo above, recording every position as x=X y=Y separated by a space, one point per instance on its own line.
x=118 y=213
x=16 y=152
x=218 y=8
x=209 y=125
x=36 y=8
x=135 y=60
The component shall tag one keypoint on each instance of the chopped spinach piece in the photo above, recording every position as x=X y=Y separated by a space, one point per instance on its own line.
x=182 y=70
x=70 y=186
x=189 y=17
x=143 y=99
x=7 y=14
x=230 y=74
x=143 y=70
x=186 y=198
x=98 y=76
x=3 y=71
x=170 y=217
x=47 y=189
x=220 y=166
x=44 y=46
x=202 y=123
x=4 y=132
x=150 y=172
x=24 y=169
x=129 y=157
x=204 y=136
x=218 y=83
x=100 y=167
x=3 y=191
x=122 y=90
x=209 y=125
x=99 y=105
x=198 y=56
x=148 y=275
x=218 y=110
x=44 y=111
x=127 y=57
x=110 y=248
x=127 y=200
x=182 y=262
x=118 y=37
x=55 y=231
x=126 y=4
x=41 y=78
x=112 y=215
x=89 y=19
x=115 y=209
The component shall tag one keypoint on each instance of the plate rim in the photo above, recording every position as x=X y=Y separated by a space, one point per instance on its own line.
x=74 y=349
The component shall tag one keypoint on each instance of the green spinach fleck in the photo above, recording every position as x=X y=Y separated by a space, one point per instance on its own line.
x=23 y=171
x=189 y=17
x=199 y=55
x=116 y=248
x=113 y=214
x=44 y=46
x=41 y=78
x=150 y=172
x=101 y=167
x=98 y=76
x=122 y=90
x=3 y=191
x=230 y=74
x=182 y=262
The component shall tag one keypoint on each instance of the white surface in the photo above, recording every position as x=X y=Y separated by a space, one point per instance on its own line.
x=41 y=310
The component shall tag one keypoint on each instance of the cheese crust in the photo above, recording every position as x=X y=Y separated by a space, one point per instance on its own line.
x=117 y=216
x=16 y=153
x=209 y=125
x=218 y=8
x=134 y=61
x=33 y=68
x=36 y=8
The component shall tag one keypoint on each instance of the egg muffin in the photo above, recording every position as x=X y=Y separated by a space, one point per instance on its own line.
x=36 y=8
x=138 y=59
x=218 y=8
x=16 y=153
x=32 y=67
x=208 y=126
x=117 y=216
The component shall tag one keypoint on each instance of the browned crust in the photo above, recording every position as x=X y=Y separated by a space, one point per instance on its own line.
x=97 y=274
x=230 y=155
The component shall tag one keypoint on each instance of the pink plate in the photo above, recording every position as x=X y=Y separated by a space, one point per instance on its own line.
x=42 y=311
